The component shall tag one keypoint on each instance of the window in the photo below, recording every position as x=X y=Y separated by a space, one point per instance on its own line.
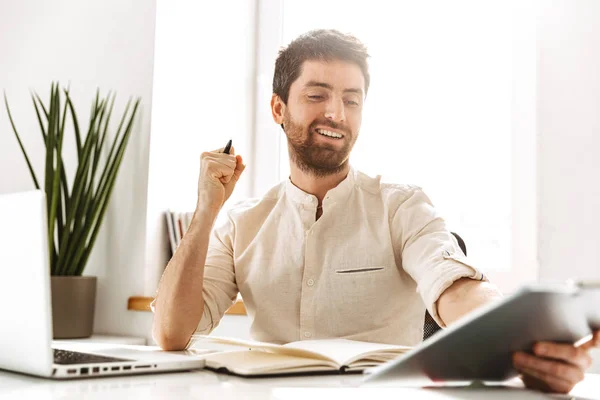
x=451 y=108
x=438 y=112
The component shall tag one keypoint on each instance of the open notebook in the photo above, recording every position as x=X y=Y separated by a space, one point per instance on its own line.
x=324 y=355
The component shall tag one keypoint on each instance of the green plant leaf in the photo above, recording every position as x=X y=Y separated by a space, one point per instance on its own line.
x=106 y=190
x=75 y=125
x=56 y=194
x=39 y=118
x=110 y=110
x=112 y=148
x=37 y=102
x=90 y=172
x=81 y=229
x=42 y=104
x=79 y=185
x=12 y=123
x=49 y=149
x=75 y=217
x=102 y=121
x=53 y=174
x=81 y=219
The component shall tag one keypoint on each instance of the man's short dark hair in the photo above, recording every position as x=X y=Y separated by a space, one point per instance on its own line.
x=322 y=45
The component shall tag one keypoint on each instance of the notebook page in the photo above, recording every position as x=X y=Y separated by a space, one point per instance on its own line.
x=199 y=340
x=262 y=362
x=344 y=351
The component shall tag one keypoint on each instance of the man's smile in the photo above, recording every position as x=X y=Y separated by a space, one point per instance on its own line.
x=330 y=133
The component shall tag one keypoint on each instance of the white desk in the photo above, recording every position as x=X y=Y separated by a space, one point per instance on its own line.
x=208 y=385
x=204 y=384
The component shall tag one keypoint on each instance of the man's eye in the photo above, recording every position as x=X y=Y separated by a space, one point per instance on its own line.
x=352 y=102
x=315 y=97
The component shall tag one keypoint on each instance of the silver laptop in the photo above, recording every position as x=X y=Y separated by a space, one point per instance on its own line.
x=26 y=314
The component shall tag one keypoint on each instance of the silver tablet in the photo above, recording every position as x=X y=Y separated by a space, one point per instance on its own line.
x=480 y=346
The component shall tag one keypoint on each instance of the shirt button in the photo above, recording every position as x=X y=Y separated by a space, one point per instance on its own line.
x=310 y=282
x=307 y=334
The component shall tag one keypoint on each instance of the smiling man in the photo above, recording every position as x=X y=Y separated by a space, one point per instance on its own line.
x=330 y=252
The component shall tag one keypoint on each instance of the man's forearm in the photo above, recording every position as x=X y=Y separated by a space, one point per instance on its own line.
x=464 y=296
x=179 y=303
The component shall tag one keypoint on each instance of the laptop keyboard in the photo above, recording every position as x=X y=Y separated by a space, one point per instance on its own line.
x=66 y=357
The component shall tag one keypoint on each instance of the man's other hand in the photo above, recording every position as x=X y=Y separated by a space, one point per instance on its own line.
x=555 y=367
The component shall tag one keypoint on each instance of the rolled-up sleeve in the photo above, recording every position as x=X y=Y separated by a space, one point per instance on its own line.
x=219 y=288
x=429 y=253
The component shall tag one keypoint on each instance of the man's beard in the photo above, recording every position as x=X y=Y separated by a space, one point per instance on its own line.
x=317 y=159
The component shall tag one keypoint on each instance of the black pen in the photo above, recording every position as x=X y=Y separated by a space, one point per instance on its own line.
x=227 y=147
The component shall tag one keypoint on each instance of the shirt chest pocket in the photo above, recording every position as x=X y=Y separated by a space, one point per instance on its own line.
x=359 y=293
x=359 y=284
x=362 y=270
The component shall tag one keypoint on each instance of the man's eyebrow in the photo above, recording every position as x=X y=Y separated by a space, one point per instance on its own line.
x=328 y=86
x=354 y=90
x=319 y=84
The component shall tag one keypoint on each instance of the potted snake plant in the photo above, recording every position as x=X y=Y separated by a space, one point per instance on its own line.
x=75 y=210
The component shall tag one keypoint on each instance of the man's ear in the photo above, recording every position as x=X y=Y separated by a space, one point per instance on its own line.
x=277 y=108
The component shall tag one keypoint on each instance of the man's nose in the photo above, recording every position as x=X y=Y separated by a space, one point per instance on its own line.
x=335 y=110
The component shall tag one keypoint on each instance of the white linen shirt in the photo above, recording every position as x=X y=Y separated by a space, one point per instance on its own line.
x=365 y=270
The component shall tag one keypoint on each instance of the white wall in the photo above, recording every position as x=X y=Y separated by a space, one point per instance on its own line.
x=569 y=140
x=204 y=91
x=110 y=45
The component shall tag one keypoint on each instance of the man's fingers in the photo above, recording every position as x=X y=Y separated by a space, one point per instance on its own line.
x=219 y=165
x=593 y=342
x=239 y=168
x=222 y=166
x=578 y=356
x=227 y=162
x=216 y=170
x=550 y=368
x=225 y=158
x=237 y=172
x=541 y=381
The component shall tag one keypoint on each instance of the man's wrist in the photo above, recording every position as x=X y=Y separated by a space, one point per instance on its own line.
x=206 y=213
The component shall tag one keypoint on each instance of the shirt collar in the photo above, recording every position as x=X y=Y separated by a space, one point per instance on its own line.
x=340 y=192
